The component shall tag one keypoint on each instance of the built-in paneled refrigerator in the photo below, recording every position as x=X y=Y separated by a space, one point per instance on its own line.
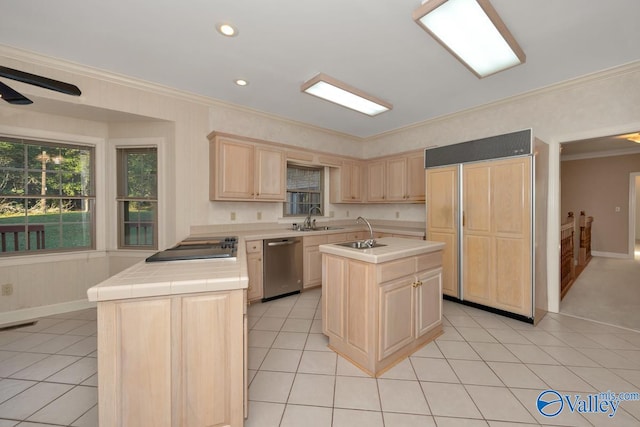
x=486 y=200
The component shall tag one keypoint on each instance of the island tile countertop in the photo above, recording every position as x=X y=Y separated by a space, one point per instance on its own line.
x=174 y=277
x=396 y=248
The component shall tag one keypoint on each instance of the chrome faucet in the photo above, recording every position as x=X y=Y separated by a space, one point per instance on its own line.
x=370 y=241
x=307 y=220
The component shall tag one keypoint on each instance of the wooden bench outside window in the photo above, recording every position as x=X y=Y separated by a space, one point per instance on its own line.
x=14 y=232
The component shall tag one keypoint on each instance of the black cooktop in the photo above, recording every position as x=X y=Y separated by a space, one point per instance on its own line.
x=205 y=248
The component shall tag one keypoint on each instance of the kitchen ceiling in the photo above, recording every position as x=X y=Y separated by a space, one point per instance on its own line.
x=372 y=45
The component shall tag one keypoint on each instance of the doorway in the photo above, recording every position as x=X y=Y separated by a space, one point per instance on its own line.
x=634 y=216
x=608 y=289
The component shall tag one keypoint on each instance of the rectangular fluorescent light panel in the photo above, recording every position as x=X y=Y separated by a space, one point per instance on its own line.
x=473 y=32
x=330 y=89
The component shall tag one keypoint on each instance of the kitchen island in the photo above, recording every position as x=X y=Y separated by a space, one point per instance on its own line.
x=379 y=305
x=171 y=343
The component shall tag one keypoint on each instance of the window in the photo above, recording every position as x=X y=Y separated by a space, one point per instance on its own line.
x=137 y=198
x=304 y=190
x=47 y=197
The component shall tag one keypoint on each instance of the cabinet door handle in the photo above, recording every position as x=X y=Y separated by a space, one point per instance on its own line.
x=414 y=284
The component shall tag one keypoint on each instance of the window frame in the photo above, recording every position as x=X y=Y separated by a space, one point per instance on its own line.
x=122 y=199
x=321 y=171
x=89 y=197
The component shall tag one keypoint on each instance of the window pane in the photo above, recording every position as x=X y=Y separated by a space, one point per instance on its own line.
x=11 y=154
x=304 y=190
x=12 y=183
x=35 y=176
x=137 y=179
x=138 y=223
x=141 y=174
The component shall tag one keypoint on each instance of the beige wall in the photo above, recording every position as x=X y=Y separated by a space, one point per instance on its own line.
x=594 y=106
x=598 y=186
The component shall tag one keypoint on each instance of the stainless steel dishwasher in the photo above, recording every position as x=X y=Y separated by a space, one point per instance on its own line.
x=282 y=267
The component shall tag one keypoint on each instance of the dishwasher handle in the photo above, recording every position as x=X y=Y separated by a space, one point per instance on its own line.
x=282 y=243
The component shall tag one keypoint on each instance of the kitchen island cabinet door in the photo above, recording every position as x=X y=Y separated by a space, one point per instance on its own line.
x=428 y=305
x=395 y=316
x=134 y=363
x=172 y=362
x=334 y=271
x=211 y=387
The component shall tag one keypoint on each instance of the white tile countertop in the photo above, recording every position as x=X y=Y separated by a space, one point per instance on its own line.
x=180 y=277
x=269 y=231
x=175 y=277
x=278 y=233
x=396 y=248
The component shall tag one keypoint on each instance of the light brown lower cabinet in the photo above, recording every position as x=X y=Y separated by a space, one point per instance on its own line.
x=375 y=315
x=172 y=361
x=255 y=266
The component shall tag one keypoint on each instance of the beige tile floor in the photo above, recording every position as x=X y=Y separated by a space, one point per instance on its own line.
x=48 y=372
x=486 y=370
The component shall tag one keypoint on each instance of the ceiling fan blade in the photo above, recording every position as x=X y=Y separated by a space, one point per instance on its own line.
x=13 y=97
x=44 y=82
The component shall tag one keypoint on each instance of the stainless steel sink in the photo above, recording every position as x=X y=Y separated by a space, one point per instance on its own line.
x=360 y=244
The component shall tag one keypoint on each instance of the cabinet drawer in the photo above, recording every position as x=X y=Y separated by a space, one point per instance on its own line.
x=429 y=261
x=254 y=246
x=408 y=236
x=395 y=269
x=314 y=240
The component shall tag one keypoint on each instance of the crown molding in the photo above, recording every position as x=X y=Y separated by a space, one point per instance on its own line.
x=598 y=154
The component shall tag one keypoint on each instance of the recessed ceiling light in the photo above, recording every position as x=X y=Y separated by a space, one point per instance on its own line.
x=340 y=93
x=241 y=82
x=473 y=32
x=227 y=30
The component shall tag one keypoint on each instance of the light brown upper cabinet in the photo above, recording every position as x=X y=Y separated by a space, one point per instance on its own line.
x=242 y=170
x=396 y=179
x=346 y=182
x=376 y=179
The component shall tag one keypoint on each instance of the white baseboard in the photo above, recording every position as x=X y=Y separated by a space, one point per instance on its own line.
x=17 y=316
x=610 y=254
